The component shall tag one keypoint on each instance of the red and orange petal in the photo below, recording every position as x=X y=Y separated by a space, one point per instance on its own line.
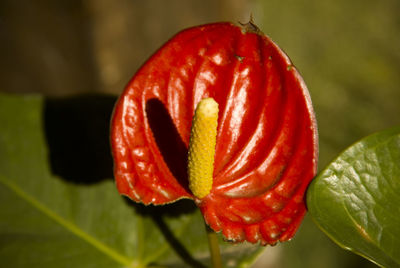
x=266 y=151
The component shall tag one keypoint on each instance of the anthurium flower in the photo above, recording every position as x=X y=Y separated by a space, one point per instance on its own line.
x=265 y=149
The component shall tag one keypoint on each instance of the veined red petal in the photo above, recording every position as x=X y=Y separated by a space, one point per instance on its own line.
x=267 y=144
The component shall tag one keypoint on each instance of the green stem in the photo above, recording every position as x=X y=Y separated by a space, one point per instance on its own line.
x=214 y=248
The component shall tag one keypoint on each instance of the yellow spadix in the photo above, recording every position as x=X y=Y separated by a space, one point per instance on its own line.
x=202 y=147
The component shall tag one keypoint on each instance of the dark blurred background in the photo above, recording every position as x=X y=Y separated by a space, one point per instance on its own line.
x=347 y=51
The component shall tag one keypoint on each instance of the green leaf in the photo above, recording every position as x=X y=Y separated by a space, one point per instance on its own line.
x=356 y=199
x=77 y=218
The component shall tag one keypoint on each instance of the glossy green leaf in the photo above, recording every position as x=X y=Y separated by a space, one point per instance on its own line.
x=356 y=199
x=77 y=218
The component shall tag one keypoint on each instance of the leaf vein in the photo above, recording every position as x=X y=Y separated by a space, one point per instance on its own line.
x=121 y=259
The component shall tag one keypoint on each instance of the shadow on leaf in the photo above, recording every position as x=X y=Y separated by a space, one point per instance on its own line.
x=77 y=132
x=158 y=213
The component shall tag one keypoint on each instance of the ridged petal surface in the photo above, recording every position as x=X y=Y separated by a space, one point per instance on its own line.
x=266 y=149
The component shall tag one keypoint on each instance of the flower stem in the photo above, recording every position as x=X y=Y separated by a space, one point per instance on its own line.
x=214 y=248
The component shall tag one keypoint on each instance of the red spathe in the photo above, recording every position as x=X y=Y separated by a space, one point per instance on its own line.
x=267 y=144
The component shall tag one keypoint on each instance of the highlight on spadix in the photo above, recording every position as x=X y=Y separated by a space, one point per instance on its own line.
x=202 y=147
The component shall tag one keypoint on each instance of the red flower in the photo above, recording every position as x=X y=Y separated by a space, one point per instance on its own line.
x=266 y=147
